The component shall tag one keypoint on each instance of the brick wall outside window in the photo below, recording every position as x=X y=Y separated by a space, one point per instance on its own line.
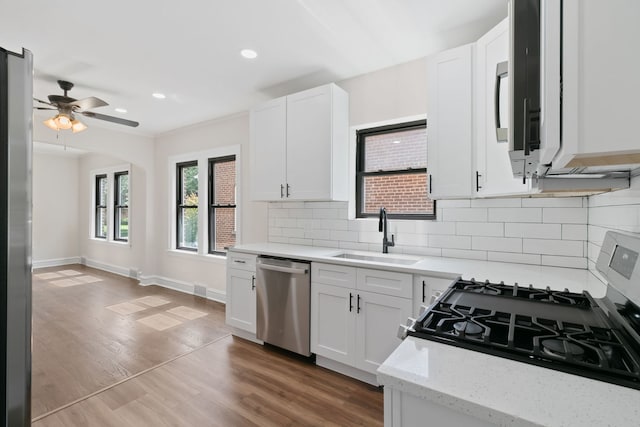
x=225 y=180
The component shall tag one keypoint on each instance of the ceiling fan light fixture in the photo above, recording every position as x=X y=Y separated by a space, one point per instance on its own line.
x=63 y=121
x=51 y=124
x=77 y=126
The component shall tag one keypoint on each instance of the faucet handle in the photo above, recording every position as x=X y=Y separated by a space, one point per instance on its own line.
x=393 y=242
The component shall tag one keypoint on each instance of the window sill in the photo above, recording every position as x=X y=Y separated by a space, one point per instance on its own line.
x=216 y=259
x=109 y=242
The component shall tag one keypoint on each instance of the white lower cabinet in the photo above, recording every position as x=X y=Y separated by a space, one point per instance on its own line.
x=240 y=309
x=352 y=326
x=425 y=288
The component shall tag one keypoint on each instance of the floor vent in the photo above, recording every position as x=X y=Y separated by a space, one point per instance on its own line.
x=133 y=273
x=200 y=290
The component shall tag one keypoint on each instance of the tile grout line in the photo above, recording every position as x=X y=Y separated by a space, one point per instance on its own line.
x=90 y=395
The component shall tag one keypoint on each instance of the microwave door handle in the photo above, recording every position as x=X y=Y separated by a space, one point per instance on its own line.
x=502 y=71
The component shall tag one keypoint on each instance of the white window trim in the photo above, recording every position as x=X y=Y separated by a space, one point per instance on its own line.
x=353 y=138
x=110 y=172
x=202 y=157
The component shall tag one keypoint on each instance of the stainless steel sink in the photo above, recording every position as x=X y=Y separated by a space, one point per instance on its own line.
x=370 y=258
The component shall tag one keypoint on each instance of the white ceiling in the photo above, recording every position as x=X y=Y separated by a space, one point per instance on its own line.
x=123 y=50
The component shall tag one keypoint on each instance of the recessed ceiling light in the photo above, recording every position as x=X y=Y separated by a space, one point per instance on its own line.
x=121 y=110
x=158 y=95
x=396 y=142
x=249 y=53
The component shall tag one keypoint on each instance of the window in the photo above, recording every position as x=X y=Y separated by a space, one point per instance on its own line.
x=187 y=206
x=222 y=204
x=391 y=171
x=101 y=206
x=121 y=207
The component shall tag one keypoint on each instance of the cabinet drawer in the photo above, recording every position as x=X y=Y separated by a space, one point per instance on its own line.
x=385 y=282
x=240 y=261
x=337 y=275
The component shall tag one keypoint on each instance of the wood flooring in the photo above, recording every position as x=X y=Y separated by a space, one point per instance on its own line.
x=111 y=369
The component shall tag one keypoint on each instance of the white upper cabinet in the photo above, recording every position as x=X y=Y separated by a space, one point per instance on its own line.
x=268 y=149
x=493 y=173
x=450 y=123
x=299 y=146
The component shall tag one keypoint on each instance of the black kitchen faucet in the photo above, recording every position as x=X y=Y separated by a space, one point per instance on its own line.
x=382 y=226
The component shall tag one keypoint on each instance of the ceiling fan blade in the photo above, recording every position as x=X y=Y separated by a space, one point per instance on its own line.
x=87 y=103
x=44 y=108
x=43 y=102
x=109 y=118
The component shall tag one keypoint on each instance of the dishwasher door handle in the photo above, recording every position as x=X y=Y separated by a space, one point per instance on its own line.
x=283 y=269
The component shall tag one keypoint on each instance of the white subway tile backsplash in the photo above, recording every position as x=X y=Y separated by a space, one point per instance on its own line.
x=553 y=247
x=287 y=222
x=497 y=244
x=515 y=215
x=449 y=242
x=535 y=231
x=574 y=232
x=531 y=231
x=318 y=234
x=492 y=229
x=496 y=203
x=553 y=202
x=468 y=215
x=464 y=203
x=300 y=213
x=564 y=215
x=564 y=261
x=465 y=254
x=513 y=257
x=303 y=242
x=344 y=236
x=421 y=250
x=293 y=232
x=435 y=227
x=325 y=213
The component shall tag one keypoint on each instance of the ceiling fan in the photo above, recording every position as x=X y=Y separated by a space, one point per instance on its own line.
x=69 y=107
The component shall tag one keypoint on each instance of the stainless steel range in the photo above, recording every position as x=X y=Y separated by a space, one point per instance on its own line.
x=569 y=332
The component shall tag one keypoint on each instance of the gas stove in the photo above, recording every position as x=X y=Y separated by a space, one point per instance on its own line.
x=561 y=330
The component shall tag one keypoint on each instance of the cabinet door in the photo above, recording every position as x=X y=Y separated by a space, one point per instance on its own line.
x=309 y=139
x=333 y=322
x=449 y=123
x=493 y=166
x=378 y=318
x=268 y=144
x=241 y=300
x=425 y=288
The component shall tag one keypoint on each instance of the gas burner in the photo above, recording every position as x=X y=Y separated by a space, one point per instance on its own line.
x=485 y=287
x=467 y=328
x=562 y=348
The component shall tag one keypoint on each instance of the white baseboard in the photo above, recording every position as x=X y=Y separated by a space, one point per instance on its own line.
x=55 y=262
x=179 y=285
x=115 y=269
x=349 y=371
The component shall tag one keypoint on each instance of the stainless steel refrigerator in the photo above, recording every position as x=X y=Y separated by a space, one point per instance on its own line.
x=16 y=117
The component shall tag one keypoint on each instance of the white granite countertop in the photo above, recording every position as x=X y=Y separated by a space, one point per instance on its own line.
x=573 y=279
x=506 y=392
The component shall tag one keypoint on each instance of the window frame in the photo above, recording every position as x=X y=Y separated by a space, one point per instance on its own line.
x=361 y=135
x=180 y=206
x=98 y=206
x=116 y=207
x=211 y=233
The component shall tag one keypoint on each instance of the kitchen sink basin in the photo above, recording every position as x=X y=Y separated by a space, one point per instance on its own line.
x=371 y=258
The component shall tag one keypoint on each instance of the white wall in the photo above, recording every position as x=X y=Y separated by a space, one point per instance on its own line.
x=182 y=266
x=106 y=147
x=55 y=207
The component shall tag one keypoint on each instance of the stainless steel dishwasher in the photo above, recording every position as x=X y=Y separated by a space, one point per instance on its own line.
x=283 y=289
